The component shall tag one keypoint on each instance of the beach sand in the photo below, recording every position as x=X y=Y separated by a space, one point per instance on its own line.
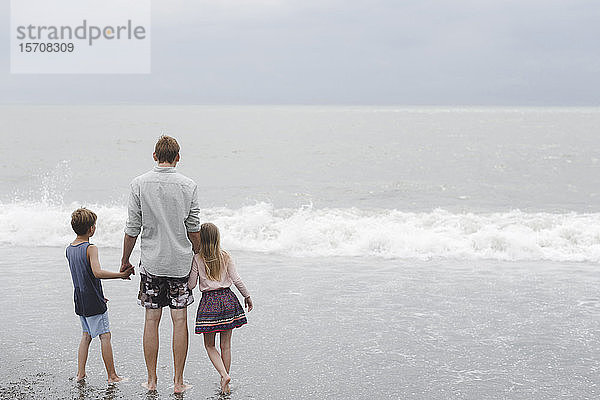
x=361 y=328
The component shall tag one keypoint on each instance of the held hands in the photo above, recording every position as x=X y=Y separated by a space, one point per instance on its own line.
x=248 y=303
x=126 y=274
x=126 y=270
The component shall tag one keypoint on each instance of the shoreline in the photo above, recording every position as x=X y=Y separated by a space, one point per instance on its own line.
x=338 y=328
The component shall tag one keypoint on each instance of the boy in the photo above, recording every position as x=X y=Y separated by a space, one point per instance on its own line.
x=90 y=303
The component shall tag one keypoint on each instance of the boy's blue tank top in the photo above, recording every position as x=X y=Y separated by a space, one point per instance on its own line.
x=88 y=294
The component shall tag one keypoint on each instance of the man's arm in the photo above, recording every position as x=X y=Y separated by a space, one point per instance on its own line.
x=195 y=239
x=192 y=222
x=128 y=245
x=133 y=226
x=193 y=278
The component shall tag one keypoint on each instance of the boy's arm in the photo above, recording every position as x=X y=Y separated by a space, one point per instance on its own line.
x=92 y=253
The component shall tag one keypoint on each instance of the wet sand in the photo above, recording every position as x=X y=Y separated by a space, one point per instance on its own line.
x=326 y=328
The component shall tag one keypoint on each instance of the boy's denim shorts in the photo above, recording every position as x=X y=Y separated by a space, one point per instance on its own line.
x=96 y=324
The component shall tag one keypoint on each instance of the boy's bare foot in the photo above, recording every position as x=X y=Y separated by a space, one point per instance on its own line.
x=225 y=384
x=151 y=386
x=181 y=387
x=79 y=378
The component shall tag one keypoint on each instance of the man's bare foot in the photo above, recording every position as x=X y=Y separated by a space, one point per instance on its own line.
x=116 y=378
x=225 y=384
x=181 y=387
x=151 y=386
x=79 y=378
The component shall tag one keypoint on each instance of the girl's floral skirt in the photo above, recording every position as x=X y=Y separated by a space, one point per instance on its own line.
x=219 y=310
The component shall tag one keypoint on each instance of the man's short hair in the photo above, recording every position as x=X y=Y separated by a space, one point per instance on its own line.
x=166 y=149
x=82 y=220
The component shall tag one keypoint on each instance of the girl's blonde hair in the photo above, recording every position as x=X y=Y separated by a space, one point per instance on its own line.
x=210 y=251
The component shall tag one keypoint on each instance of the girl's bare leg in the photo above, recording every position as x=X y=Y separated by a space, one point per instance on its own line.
x=225 y=344
x=82 y=355
x=215 y=358
x=107 y=356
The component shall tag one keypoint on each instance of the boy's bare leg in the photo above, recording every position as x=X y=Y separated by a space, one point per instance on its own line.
x=225 y=344
x=215 y=358
x=180 y=347
x=107 y=356
x=82 y=355
x=151 y=323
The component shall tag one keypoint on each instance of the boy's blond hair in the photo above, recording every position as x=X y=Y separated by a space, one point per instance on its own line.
x=82 y=220
x=166 y=149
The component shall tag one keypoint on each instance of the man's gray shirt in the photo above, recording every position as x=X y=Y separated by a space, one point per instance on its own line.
x=163 y=206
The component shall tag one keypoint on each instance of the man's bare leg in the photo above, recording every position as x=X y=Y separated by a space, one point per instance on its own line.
x=180 y=347
x=82 y=355
x=107 y=356
x=151 y=323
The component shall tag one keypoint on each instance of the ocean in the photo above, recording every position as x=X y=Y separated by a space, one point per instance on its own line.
x=393 y=252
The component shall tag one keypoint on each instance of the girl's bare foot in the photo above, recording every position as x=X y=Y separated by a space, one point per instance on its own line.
x=79 y=378
x=225 y=384
x=151 y=386
x=182 y=387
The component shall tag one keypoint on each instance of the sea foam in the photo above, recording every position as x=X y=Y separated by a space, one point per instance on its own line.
x=308 y=231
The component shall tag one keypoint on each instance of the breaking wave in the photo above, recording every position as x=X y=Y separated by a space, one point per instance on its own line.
x=307 y=231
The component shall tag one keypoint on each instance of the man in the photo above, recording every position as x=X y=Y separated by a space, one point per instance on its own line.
x=163 y=207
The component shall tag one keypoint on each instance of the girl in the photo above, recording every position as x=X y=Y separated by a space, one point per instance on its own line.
x=219 y=309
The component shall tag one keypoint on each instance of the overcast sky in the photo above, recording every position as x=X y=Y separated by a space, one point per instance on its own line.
x=406 y=52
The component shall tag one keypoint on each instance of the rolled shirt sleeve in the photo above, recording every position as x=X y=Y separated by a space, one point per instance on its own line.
x=192 y=222
x=133 y=226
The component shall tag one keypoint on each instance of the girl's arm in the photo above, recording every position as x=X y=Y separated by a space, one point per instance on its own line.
x=92 y=253
x=193 y=279
x=237 y=281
